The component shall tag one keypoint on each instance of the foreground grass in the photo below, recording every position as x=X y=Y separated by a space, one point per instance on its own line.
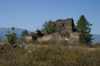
x=50 y=56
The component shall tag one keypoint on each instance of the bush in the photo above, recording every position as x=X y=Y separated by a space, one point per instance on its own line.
x=51 y=56
x=96 y=45
x=11 y=37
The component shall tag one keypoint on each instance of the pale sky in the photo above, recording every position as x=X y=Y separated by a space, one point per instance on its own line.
x=31 y=14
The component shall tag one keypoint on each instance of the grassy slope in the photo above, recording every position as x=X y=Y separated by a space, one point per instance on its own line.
x=51 y=56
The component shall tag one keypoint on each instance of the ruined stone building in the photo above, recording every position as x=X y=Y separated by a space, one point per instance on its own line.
x=63 y=30
x=64 y=27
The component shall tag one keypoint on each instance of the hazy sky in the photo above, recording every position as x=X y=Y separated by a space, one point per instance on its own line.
x=31 y=14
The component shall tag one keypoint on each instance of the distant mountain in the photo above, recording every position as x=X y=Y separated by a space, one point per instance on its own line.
x=3 y=31
x=96 y=38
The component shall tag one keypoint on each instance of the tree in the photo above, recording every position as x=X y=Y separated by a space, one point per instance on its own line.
x=24 y=33
x=84 y=29
x=47 y=27
x=11 y=37
x=32 y=33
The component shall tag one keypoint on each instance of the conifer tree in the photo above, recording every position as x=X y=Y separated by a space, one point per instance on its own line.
x=83 y=26
x=11 y=37
x=24 y=33
x=47 y=27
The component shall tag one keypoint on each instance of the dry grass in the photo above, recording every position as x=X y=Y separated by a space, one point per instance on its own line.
x=51 y=56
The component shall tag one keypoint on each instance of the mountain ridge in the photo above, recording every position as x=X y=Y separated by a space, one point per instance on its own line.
x=3 y=32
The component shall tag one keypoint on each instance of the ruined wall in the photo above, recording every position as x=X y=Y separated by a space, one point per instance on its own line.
x=64 y=27
x=28 y=38
x=74 y=38
x=63 y=30
x=55 y=36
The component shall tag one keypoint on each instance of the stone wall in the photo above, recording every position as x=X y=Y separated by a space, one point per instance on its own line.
x=64 y=27
x=55 y=36
x=74 y=38
x=28 y=38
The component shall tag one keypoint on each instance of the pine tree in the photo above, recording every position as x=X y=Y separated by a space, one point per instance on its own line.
x=11 y=37
x=24 y=33
x=47 y=27
x=83 y=26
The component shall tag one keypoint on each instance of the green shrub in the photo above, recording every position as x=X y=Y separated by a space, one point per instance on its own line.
x=11 y=37
x=96 y=45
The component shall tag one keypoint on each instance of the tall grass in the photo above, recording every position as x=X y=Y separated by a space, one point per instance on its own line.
x=51 y=56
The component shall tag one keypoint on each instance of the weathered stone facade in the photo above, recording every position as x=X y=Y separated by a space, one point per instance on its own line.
x=74 y=38
x=28 y=38
x=64 y=26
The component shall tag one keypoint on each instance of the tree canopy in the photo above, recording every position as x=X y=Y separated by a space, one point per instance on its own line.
x=24 y=33
x=47 y=27
x=83 y=26
x=11 y=37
